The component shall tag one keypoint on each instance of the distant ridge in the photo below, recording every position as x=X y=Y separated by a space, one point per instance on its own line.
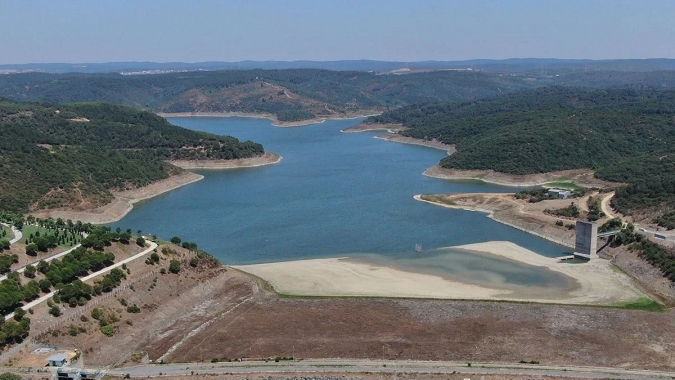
x=546 y=66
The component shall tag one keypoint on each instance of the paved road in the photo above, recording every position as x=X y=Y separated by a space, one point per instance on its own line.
x=382 y=366
x=17 y=234
x=153 y=245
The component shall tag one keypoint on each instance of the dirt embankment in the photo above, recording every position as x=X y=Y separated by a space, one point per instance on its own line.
x=647 y=276
x=214 y=312
x=581 y=177
x=123 y=201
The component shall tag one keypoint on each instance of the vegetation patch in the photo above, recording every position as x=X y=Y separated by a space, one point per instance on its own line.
x=646 y=304
x=571 y=211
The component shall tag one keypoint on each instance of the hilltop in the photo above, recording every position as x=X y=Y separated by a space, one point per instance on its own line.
x=75 y=155
x=300 y=94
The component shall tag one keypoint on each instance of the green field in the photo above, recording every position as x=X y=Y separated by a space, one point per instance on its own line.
x=29 y=230
x=646 y=304
x=564 y=185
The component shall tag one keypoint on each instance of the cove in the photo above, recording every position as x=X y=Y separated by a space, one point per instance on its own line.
x=333 y=194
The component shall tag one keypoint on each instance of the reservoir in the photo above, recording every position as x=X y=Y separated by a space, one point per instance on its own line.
x=334 y=194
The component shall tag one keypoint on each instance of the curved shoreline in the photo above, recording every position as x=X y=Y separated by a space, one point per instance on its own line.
x=491 y=215
x=394 y=137
x=275 y=122
x=253 y=162
x=124 y=201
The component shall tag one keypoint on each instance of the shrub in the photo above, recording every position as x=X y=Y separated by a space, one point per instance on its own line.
x=133 y=309
x=55 y=311
x=174 y=266
x=194 y=261
x=108 y=330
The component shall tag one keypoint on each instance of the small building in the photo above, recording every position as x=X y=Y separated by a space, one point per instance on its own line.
x=57 y=360
x=562 y=194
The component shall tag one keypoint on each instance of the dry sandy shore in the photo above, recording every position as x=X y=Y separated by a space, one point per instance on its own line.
x=597 y=282
x=266 y=159
x=275 y=121
x=124 y=200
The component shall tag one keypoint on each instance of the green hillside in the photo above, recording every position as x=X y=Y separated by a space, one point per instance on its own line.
x=625 y=135
x=314 y=92
x=69 y=154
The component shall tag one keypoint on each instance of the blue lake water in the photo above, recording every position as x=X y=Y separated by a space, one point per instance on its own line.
x=333 y=194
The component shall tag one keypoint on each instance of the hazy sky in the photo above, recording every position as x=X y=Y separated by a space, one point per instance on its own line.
x=202 y=30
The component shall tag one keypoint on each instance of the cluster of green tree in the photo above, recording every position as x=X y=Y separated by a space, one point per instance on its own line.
x=626 y=135
x=594 y=209
x=12 y=293
x=611 y=225
x=534 y=195
x=192 y=247
x=658 y=256
x=667 y=220
x=75 y=264
x=50 y=153
x=294 y=115
x=14 y=331
x=571 y=211
x=6 y=262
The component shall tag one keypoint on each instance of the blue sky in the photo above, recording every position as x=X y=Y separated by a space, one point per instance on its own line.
x=202 y=30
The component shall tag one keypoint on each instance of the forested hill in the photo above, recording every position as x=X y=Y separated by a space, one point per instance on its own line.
x=297 y=94
x=288 y=94
x=74 y=154
x=625 y=135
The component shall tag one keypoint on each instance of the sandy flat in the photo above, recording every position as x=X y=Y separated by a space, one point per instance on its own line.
x=598 y=283
x=344 y=277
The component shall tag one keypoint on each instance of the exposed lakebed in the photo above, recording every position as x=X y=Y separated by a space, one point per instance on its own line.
x=336 y=194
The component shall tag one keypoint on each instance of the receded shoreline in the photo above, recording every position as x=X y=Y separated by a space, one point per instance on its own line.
x=124 y=201
x=598 y=284
x=580 y=177
x=275 y=121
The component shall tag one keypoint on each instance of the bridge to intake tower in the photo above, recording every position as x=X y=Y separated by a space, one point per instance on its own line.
x=586 y=244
